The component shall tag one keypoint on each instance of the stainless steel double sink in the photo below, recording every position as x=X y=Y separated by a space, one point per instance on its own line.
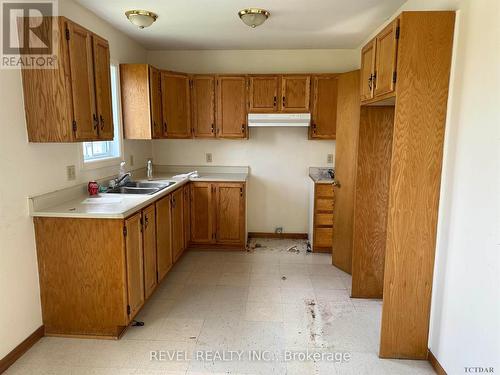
x=138 y=187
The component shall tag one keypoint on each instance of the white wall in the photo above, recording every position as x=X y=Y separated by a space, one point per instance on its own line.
x=278 y=158
x=31 y=169
x=465 y=312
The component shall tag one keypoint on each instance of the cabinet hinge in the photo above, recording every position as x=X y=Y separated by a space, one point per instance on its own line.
x=397 y=32
x=394 y=77
x=125 y=231
x=67 y=34
x=74 y=125
x=128 y=310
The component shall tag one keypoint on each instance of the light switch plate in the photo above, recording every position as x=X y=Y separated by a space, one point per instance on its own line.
x=329 y=158
x=70 y=173
x=208 y=157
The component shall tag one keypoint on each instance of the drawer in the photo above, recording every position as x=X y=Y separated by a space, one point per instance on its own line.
x=323 y=237
x=322 y=204
x=324 y=190
x=323 y=220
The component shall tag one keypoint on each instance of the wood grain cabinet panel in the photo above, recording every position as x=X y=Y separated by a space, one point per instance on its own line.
x=385 y=61
x=202 y=213
x=295 y=93
x=82 y=82
x=367 y=70
x=135 y=264
x=230 y=213
x=175 y=105
x=263 y=93
x=203 y=106
x=231 y=107
x=150 y=256
x=140 y=86
x=163 y=237
x=324 y=108
x=187 y=215
x=72 y=102
x=323 y=218
x=103 y=87
x=177 y=209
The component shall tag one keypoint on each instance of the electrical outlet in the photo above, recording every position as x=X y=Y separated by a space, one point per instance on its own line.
x=131 y=160
x=208 y=157
x=278 y=230
x=70 y=173
x=329 y=159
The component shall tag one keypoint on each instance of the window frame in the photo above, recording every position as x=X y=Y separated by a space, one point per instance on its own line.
x=118 y=132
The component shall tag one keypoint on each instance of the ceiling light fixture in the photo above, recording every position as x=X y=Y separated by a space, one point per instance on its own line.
x=253 y=17
x=141 y=18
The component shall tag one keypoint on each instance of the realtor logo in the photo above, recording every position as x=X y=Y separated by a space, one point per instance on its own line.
x=29 y=34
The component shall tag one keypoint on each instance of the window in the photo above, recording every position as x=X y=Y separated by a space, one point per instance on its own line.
x=99 y=151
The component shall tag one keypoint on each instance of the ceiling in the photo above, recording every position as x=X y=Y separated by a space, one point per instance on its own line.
x=214 y=24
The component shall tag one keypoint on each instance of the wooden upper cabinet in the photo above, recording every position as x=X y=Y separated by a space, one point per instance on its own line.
x=149 y=242
x=263 y=93
x=155 y=102
x=203 y=106
x=324 y=107
x=295 y=91
x=367 y=70
x=82 y=82
x=385 y=60
x=135 y=264
x=140 y=86
x=72 y=102
x=202 y=225
x=230 y=213
x=231 y=107
x=163 y=237
x=175 y=105
x=177 y=215
x=103 y=87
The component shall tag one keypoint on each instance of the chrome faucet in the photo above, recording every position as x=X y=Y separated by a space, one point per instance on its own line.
x=122 y=179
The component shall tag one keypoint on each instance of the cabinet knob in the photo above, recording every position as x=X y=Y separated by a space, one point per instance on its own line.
x=165 y=127
x=102 y=122
x=275 y=101
x=243 y=128
x=284 y=102
x=96 y=121
x=212 y=128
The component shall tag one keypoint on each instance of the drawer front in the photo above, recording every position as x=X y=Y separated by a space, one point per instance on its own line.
x=322 y=204
x=323 y=237
x=324 y=190
x=323 y=220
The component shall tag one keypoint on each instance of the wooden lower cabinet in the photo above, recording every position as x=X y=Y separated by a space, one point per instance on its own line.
x=177 y=215
x=163 y=237
x=323 y=218
x=149 y=245
x=135 y=264
x=218 y=213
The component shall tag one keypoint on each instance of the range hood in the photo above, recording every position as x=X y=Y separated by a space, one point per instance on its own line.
x=279 y=119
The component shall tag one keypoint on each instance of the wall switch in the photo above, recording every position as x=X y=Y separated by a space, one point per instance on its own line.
x=70 y=173
x=329 y=159
x=131 y=160
x=208 y=157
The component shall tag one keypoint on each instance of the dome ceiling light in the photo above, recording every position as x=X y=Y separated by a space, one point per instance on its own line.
x=253 y=17
x=141 y=18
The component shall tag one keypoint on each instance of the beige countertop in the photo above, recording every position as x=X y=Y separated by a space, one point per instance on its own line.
x=320 y=175
x=75 y=203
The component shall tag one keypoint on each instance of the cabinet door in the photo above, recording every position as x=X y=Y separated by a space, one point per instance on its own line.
x=82 y=82
x=155 y=102
x=367 y=70
x=386 y=52
x=163 y=237
x=203 y=106
x=324 y=108
x=175 y=105
x=263 y=94
x=187 y=215
x=230 y=213
x=231 y=107
x=102 y=73
x=202 y=226
x=149 y=241
x=177 y=223
x=135 y=264
x=295 y=91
